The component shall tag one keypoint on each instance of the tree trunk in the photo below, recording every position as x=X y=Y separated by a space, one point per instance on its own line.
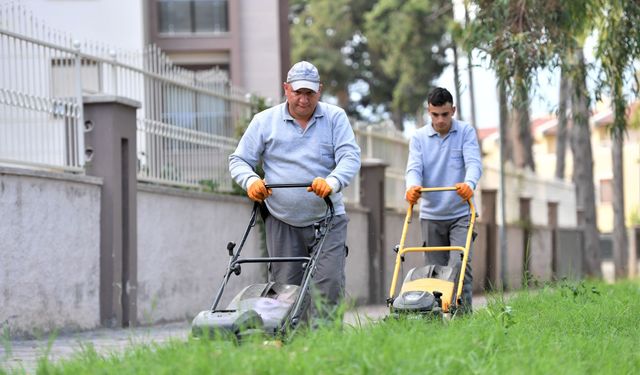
x=456 y=71
x=583 y=167
x=396 y=117
x=456 y=78
x=505 y=152
x=620 y=244
x=343 y=99
x=561 y=136
x=470 y=70
x=523 y=142
x=504 y=122
x=419 y=117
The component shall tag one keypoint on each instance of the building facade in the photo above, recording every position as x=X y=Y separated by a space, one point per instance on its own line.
x=544 y=131
x=247 y=39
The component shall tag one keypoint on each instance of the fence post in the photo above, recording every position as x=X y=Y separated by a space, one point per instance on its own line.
x=552 y=223
x=80 y=153
x=114 y=71
x=111 y=139
x=527 y=232
x=372 y=197
x=369 y=142
x=492 y=262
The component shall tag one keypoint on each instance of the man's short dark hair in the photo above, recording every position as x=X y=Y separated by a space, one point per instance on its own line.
x=439 y=96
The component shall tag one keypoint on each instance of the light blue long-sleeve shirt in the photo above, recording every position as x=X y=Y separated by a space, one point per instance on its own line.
x=436 y=161
x=325 y=148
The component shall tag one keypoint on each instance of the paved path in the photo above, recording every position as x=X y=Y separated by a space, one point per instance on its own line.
x=25 y=353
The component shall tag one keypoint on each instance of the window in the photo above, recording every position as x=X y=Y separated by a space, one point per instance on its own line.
x=192 y=16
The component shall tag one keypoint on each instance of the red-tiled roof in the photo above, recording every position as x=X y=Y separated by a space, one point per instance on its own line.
x=485 y=132
x=535 y=124
x=549 y=124
x=607 y=119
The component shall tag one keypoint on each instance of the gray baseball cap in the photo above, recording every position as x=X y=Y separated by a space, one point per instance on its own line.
x=304 y=75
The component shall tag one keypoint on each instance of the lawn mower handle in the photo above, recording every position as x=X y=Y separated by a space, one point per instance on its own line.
x=301 y=185
x=401 y=249
x=252 y=221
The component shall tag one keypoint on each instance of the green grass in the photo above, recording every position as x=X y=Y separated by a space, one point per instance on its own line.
x=570 y=328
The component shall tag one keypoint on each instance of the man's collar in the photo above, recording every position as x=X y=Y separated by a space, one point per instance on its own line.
x=432 y=132
x=319 y=112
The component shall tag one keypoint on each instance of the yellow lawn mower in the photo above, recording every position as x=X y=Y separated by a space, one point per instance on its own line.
x=432 y=290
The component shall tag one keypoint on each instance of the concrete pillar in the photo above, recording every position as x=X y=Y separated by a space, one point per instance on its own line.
x=634 y=250
x=525 y=226
x=552 y=223
x=372 y=197
x=110 y=140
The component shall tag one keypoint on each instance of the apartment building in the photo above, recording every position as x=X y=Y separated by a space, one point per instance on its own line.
x=544 y=132
x=247 y=39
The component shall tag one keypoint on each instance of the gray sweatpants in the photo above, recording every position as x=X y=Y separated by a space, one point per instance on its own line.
x=284 y=240
x=450 y=233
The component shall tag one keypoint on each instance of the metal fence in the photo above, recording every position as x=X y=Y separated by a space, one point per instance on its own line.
x=189 y=124
x=186 y=123
x=40 y=115
x=384 y=142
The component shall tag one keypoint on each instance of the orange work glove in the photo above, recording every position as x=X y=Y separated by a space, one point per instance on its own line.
x=320 y=187
x=413 y=194
x=258 y=191
x=464 y=191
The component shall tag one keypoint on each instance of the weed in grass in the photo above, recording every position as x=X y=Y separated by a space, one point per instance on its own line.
x=500 y=311
x=577 y=289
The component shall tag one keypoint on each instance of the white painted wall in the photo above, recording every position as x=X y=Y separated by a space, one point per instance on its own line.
x=260 y=54
x=118 y=23
x=526 y=184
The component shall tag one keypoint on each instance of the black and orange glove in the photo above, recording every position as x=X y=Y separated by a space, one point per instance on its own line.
x=413 y=194
x=258 y=191
x=464 y=191
x=320 y=187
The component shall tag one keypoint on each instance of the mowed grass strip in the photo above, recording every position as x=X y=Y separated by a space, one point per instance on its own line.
x=568 y=328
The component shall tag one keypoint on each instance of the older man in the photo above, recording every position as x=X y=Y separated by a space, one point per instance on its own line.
x=301 y=140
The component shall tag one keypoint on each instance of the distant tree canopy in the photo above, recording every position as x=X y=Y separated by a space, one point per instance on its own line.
x=388 y=52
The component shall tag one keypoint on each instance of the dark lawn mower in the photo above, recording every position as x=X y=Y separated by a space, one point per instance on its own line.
x=431 y=290
x=271 y=309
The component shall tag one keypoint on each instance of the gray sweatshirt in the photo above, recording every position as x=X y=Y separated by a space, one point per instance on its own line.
x=289 y=154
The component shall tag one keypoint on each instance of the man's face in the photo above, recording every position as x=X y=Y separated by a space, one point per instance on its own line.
x=441 y=117
x=302 y=102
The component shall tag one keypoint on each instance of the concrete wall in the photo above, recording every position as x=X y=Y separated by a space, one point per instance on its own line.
x=540 y=255
x=182 y=256
x=568 y=254
x=49 y=251
x=357 y=278
x=49 y=274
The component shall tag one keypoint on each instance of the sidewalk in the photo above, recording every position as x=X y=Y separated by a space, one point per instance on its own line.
x=25 y=353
